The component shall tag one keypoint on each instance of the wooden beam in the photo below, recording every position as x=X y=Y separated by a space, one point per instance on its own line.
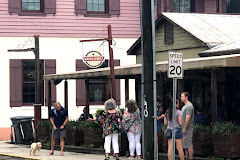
x=87 y=96
x=214 y=95
x=66 y=93
x=126 y=89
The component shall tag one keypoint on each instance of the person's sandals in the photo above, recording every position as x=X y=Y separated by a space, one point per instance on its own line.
x=50 y=153
x=107 y=158
x=61 y=154
x=130 y=157
x=117 y=158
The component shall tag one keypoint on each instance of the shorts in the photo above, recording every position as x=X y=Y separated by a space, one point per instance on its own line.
x=58 y=133
x=187 y=140
x=178 y=133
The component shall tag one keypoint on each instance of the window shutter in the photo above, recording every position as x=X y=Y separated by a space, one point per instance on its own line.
x=199 y=6
x=224 y=6
x=114 y=7
x=14 y=6
x=16 y=83
x=171 y=5
x=50 y=68
x=159 y=5
x=168 y=33
x=80 y=7
x=117 y=83
x=50 y=6
x=80 y=85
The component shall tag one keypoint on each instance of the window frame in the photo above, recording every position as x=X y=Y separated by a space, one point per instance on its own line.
x=101 y=81
x=34 y=11
x=106 y=9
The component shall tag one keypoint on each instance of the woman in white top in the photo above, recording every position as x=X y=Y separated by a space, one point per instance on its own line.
x=178 y=131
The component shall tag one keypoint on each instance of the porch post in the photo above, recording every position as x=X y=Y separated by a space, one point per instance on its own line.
x=49 y=98
x=138 y=90
x=66 y=94
x=214 y=95
x=126 y=89
x=87 y=96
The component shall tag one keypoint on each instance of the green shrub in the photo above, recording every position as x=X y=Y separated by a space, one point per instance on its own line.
x=225 y=128
x=44 y=123
x=71 y=124
x=199 y=128
x=99 y=112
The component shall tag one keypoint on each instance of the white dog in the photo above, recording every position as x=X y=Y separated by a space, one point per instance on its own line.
x=35 y=147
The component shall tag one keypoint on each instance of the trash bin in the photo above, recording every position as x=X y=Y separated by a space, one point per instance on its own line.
x=23 y=129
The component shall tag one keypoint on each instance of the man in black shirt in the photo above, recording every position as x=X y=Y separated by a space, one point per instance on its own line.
x=58 y=118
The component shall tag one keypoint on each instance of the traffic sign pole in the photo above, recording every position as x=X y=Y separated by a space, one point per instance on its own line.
x=175 y=71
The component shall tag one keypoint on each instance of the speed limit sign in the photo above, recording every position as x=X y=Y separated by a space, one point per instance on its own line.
x=175 y=65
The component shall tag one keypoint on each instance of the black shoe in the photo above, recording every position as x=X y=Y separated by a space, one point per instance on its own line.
x=107 y=158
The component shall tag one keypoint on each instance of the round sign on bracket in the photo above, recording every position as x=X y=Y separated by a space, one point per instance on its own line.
x=175 y=64
x=93 y=59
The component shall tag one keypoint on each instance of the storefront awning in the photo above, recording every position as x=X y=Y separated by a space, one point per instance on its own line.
x=131 y=71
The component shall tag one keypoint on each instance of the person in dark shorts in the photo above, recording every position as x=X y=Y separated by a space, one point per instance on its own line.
x=58 y=118
x=178 y=130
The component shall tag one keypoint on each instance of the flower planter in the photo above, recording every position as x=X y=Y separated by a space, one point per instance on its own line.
x=79 y=137
x=227 y=146
x=203 y=143
x=70 y=136
x=93 y=138
x=43 y=133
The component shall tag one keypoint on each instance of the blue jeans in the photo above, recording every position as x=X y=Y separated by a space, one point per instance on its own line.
x=178 y=133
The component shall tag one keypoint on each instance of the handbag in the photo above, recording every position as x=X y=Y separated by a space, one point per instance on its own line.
x=120 y=124
x=167 y=133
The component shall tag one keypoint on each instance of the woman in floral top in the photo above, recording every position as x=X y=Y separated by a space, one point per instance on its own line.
x=109 y=122
x=132 y=124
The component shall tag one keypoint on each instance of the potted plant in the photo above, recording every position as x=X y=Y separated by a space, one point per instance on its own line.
x=79 y=133
x=202 y=141
x=70 y=133
x=226 y=138
x=92 y=134
x=44 y=130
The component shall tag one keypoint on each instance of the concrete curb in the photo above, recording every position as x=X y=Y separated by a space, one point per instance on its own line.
x=23 y=157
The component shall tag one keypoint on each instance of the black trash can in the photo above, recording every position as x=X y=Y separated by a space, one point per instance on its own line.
x=23 y=129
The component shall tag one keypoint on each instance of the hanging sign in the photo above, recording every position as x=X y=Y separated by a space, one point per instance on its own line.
x=175 y=65
x=93 y=59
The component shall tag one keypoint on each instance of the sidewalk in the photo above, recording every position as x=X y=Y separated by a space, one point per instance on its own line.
x=22 y=151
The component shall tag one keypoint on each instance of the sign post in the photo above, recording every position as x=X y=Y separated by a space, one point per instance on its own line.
x=175 y=71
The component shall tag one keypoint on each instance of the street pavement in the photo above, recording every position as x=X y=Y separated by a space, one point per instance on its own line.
x=23 y=151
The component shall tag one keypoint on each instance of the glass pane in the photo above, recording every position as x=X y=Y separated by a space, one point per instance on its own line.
x=90 y=1
x=37 y=6
x=101 y=1
x=101 y=8
x=31 y=6
x=24 y=6
x=24 y=0
x=89 y=7
x=95 y=1
x=97 y=92
x=28 y=93
x=95 y=7
x=28 y=71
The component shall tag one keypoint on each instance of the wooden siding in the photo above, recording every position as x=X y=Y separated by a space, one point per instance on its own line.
x=66 y=24
x=182 y=41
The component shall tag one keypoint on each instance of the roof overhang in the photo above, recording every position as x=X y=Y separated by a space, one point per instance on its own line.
x=132 y=71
